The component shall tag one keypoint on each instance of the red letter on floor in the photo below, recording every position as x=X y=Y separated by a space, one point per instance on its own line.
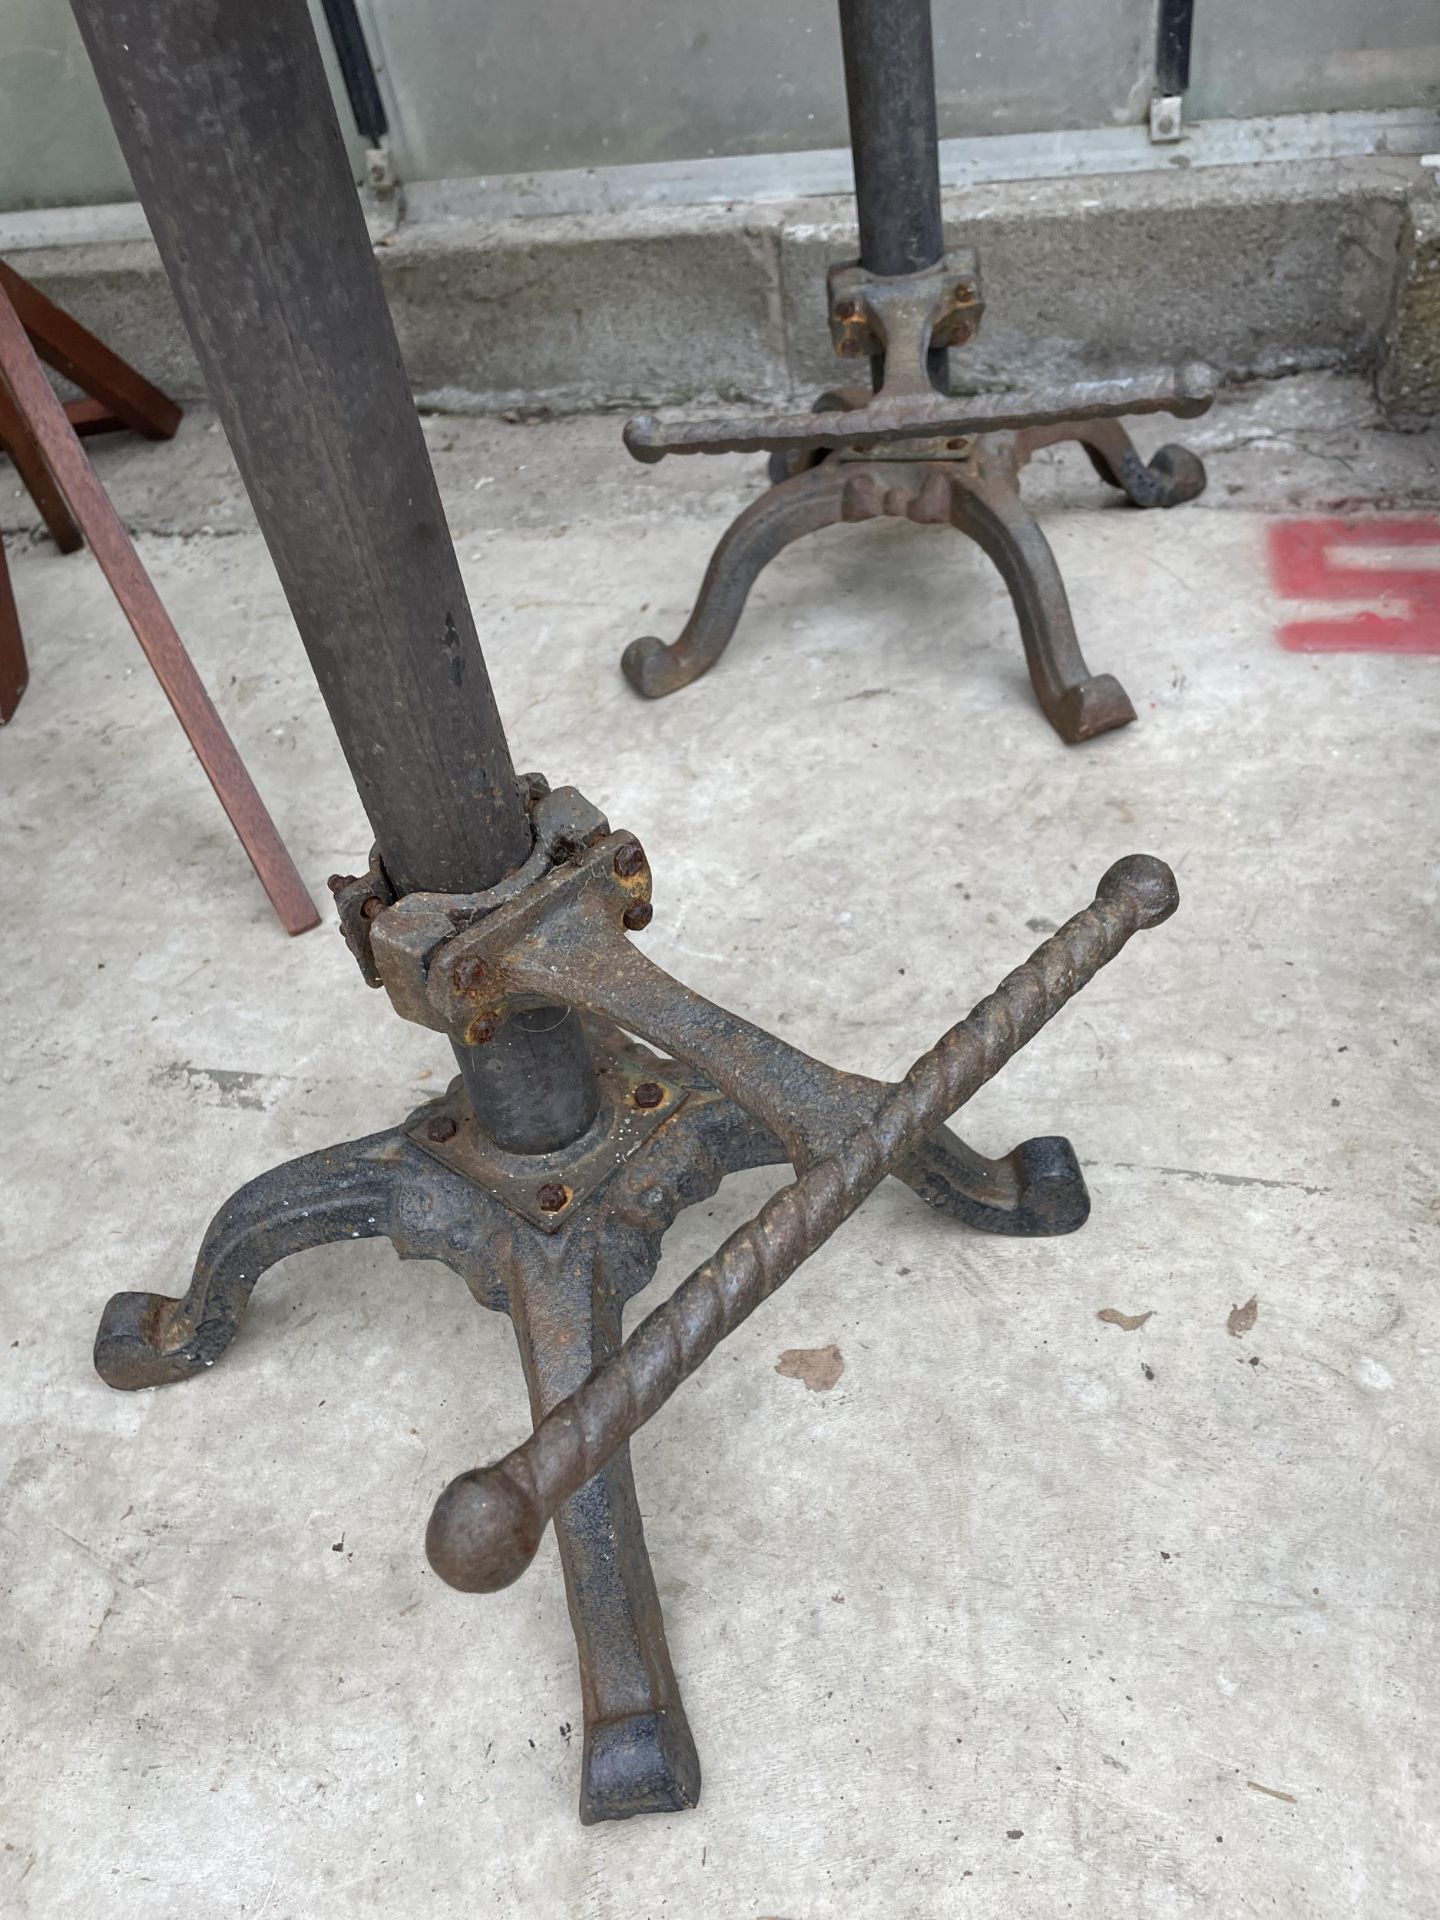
x=1308 y=562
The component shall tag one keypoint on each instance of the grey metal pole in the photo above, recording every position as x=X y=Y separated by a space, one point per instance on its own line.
x=894 y=135
x=226 y=121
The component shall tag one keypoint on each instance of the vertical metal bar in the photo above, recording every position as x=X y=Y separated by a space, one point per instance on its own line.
x=226 y=121
x=1173 y=35
x=357 y=69
x=890 y=91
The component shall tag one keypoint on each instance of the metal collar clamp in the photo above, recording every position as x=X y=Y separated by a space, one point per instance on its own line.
x=398 y=942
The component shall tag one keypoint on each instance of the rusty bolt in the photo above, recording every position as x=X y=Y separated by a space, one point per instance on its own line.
x=638 y=914
x=965 y=292
x=370 y=906
x=483 y=1028
x=470 y=974
x=849 y=346
x=630 y=860
x=442 y=1129
x=552 y=1197
x=339 y=880
x=845 y=310
x=649 y=1093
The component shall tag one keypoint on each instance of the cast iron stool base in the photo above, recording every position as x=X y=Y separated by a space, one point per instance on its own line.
x=564 y=1292
x=973 y=487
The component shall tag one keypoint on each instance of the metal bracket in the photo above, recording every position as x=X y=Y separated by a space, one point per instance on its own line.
x=902 y=318
x=1167 y=118
x=562 y=823
x=636 y=1099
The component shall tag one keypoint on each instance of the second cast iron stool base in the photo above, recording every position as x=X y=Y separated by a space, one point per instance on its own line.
x=904 y=452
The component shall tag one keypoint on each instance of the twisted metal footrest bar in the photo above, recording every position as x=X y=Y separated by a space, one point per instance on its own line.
x=488 y=1523
x=891 y=417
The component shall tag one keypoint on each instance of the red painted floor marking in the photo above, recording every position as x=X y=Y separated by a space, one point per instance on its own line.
x=1307 y=562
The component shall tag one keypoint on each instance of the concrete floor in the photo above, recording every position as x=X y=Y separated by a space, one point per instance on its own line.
x=1026 y=1614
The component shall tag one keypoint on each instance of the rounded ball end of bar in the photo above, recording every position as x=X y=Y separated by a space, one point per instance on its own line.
x=1145 y=880
x=1196 y=383
x=640 y=435
x=484 y=1531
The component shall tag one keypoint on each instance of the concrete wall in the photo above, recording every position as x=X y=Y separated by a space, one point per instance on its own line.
x=513 y=88
x=1259 y=269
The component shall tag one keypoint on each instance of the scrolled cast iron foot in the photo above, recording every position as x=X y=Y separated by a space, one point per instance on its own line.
x=985 y=504
x=1172 y=475
x=343 y=1193
x=804 y=503
x=487 y=1524
x=1048 y=1196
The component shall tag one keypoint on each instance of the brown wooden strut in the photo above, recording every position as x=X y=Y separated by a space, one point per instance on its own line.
x=32 y=400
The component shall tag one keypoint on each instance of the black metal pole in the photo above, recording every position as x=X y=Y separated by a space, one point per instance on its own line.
x=357 y=70
x=894 y=135
x=1173 y=33
x=226 y=121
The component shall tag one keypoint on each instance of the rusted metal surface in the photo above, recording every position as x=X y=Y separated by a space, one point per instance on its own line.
x=973 y=489
x=901 y=324
x=545 y=1188
x=560 y=1241
x=910 y=451
x=564 y=1289
x=1184 y=391
x=534 y=972
x=565 y=937
x=487 y=1524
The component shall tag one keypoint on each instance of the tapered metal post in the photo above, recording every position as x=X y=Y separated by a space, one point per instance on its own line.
x=226 y=121
x=890 y=90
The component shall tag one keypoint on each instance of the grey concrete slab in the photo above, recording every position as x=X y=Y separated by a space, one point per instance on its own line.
x=1027 y=1614
x=1313 y=441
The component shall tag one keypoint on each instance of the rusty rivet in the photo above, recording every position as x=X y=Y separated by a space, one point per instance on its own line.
x=484 y=1028
x=845 y=310
x=370 y=906
x=552 y=1197
x=649 y=1093
x=442 y=1129
x=638 y=914
x=630 y=860
x=470 y=974
x=964 y=292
